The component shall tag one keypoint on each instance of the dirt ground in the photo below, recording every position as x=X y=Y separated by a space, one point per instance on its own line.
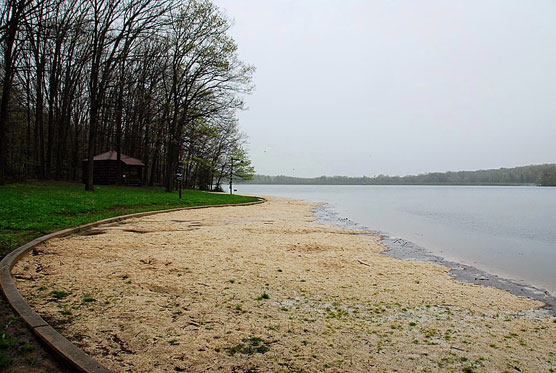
x=20 y=350
x=267 y=288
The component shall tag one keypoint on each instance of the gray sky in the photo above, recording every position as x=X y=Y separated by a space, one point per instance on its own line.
x=361 y=87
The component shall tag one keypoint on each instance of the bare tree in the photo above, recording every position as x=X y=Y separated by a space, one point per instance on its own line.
x=13 y=14
x=144 y=77
x=113 y=23
x=204 y=69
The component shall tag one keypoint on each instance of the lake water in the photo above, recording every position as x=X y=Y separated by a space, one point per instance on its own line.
x=507 y=231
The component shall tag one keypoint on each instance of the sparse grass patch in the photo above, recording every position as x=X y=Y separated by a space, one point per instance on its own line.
x=27 y=347
x=7 y=341
x=429 y=333
x=249 y=346
x=5 y=360
x=59 y=294
x=339 y=314
x=263 y=296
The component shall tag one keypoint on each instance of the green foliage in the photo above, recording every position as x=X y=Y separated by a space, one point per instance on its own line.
x=59 y=294
x=263 y=296
x=27 y=347
x=242 y=168
x=527 y=175
x=6 y=341
x=28 y=211
x=547 y=177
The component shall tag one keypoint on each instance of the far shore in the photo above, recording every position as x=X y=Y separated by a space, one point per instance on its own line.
x=269 y=288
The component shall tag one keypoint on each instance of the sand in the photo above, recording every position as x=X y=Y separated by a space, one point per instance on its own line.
x=268 y=288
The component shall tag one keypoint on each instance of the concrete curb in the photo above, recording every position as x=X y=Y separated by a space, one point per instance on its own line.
x=73 y=355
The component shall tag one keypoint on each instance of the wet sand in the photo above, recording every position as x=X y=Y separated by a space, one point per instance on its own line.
x=268 y=288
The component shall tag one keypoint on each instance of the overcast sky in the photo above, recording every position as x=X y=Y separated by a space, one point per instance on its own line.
x=363 y=87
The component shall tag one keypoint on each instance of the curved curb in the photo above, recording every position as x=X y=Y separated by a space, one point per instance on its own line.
x=76 y=357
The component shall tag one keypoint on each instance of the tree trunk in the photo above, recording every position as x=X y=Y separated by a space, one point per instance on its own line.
x=39 y=119
x=93 y=122
x=75 y=153
x=91 y=147
x=4 y=113
x=119 y=109
x=65 y=123
x=7 y=81
x=171 y=165
x=53 y=92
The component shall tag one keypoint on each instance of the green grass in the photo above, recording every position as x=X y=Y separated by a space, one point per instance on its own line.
x=249 y=346
x=30 y=210
x=59 y=294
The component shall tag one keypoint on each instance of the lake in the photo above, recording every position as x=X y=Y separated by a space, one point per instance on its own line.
x=506 y=231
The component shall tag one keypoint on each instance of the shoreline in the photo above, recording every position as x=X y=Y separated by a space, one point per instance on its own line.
x=406 y=250
x=400 y=248
x=269 y=287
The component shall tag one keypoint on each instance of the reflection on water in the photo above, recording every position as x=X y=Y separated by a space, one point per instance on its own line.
x=509 y=231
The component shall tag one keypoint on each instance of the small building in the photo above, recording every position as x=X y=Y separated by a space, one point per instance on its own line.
x=106 y=169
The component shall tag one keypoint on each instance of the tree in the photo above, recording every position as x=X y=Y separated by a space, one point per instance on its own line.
x=13 y=14
x=239 y=166
x=548 y=177
x=204 y=73
x=114 y=22
x=144 y=77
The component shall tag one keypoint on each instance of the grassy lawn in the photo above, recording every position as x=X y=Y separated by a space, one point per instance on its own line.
x=28 y=211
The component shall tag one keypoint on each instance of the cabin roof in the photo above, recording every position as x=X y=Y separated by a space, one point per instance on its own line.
x=113 y=156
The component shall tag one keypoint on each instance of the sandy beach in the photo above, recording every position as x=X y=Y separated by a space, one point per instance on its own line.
x=269 y=288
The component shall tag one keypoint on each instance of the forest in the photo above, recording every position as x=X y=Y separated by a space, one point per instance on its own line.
x=158 y=80
x=544 y=175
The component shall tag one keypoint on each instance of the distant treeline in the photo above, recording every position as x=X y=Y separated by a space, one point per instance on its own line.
x=544 y=175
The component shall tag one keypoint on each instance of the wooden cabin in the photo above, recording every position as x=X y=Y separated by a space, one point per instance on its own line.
x=106 y=169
